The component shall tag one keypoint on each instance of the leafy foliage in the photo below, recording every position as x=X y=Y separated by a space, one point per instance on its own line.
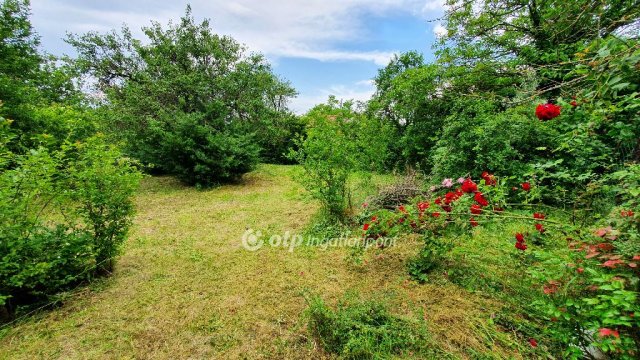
x=339 y=142
x=65 y=193
x=64 y=214
x=187 y=101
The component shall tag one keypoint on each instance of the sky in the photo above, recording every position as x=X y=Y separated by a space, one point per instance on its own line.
x=323 y=47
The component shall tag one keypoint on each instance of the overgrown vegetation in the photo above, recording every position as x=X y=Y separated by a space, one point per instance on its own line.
x=188 y=102
x=65 y=193
x=365 y=330
x=518 y=147
x=339 y=142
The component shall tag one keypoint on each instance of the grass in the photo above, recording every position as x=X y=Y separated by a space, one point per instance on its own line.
x=185 y=287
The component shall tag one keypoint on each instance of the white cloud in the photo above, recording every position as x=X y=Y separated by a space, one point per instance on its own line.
x=434 y=5
x=439 y=30
x=277 y=28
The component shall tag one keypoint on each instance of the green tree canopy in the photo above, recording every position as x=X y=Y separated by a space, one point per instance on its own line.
x=186 y=100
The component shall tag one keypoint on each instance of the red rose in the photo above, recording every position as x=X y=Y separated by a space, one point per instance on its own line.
x=365 y=227
x=480 y=199
x=473 y=222
x=627 y=213
x=540 y=228
x=450 y=197
x=521 y=246
x=476 y=209
x=574 y=103
x=547 y=111
x=422 y=206
x=538 y=216
x=533 y=343
x=469 y=186
x=608 y=332
x=526 y=186
x=436 y=214
x=519 y=237
x=489 y=179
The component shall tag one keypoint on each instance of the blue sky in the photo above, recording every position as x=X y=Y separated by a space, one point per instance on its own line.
x=322 y=47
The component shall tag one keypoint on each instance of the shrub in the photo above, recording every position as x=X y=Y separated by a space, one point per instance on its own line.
x=200 y=155
x=364 y=330
x=481 y=137
x=339 y=142
x=63 y=215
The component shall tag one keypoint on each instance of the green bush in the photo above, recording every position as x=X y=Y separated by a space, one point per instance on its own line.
x=480 y=137
x=364 y=330
x=63 y=215
x=187 y=101
x=339 y=142
x=200 y=155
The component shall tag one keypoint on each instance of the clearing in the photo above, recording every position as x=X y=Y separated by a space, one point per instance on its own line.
x=184 y=286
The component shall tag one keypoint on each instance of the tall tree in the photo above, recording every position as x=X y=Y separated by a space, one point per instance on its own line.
x=186 y=100
x=511 y=36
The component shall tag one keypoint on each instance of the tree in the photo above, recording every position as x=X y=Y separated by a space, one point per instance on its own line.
x=37 y=94
x=411 y=97
x=511 y=36
x=186 y=101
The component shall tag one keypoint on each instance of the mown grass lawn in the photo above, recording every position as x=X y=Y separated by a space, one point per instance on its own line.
x=185 y=287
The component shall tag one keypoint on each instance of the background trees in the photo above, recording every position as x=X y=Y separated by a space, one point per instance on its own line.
x=187 y=101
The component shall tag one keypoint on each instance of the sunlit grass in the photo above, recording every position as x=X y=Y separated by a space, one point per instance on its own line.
x=185 y=287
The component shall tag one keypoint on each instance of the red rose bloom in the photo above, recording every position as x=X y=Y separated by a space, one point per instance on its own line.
x=476 y=209
x=540 y=228
x=526 y=186
x=365 y=227
x=436 y=214
x=521 y=246
x=473 y=222
x=547 y=111
x=533 y=342
x=519 y=237
x=469 y=186
x=608 y=332
x=450 y=197
x=627 y=213
x=538 y=216
x=422 y=206
x=480 y=199
x=574 y=103
x=489 y=179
